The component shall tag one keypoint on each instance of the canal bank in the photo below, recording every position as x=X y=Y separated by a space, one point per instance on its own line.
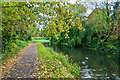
x=93 y=63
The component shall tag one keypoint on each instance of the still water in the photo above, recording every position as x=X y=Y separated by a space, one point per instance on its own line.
x=93 y=63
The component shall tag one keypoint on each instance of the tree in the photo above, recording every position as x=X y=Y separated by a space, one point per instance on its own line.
x=104 y=26
x=17 y=22
x=63 y=21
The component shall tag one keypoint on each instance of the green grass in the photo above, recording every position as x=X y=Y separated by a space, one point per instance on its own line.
x=39 y=38
x=12 y=49
x=54 y=65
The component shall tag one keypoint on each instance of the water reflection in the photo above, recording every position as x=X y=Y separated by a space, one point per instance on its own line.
x=94 y=64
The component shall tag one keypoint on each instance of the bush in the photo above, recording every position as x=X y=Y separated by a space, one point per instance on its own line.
x=12 y=49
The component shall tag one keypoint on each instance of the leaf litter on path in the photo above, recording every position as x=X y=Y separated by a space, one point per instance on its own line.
x=24 y=65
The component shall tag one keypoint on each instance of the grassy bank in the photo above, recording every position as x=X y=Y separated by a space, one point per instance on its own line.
x=12 y=49
x=54 y=65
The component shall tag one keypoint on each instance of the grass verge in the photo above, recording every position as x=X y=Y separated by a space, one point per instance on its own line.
x=39 y=38
x=54 y=65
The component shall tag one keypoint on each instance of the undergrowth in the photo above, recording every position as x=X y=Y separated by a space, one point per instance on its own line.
x=12 y=49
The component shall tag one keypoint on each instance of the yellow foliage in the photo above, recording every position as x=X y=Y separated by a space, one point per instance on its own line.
x=57 y=38
x=83 y=29
x=70 y=20
x=62 y=30
x=79 y=26
x=65 y=37
x=74 y=12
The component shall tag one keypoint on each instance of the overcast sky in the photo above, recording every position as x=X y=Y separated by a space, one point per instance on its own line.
x=90 y=7
x=74 y=1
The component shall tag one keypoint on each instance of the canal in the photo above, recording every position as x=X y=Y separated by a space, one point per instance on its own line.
x=93 y=63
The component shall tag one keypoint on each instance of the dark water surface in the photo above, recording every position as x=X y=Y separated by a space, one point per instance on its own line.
x=94 y=64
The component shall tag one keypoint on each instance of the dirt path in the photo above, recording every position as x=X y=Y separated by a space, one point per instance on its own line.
x=25 y=65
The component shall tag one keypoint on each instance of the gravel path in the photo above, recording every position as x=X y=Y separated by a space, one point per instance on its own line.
x=25 y=65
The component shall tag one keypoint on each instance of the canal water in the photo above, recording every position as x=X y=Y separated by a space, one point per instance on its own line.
x=93 y=63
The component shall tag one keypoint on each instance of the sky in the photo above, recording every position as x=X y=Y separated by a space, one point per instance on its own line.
x=74 y=1
x=89 y=6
